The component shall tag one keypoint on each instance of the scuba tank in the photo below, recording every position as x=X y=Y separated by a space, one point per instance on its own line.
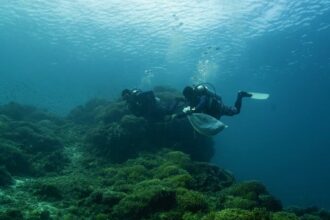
x=135 y=91
x=214 y=100
x=203 y=89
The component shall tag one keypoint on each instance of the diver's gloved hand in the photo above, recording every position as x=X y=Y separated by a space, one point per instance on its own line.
x=243 y=94
x=188 y=110
x=169 y=118
x=173 y=116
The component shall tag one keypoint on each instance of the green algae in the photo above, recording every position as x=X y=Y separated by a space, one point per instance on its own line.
x=101 y=162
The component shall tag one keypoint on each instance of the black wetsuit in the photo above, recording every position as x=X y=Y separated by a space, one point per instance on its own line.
x=145 y=104
x=212 y=104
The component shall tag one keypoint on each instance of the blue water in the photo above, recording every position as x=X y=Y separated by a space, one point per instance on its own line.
x=58 y=54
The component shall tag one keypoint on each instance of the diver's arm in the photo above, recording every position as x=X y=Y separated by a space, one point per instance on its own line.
x=179 y=115
x=185 y=111
x=201 y=104
x=189 y=109
x=229 y=110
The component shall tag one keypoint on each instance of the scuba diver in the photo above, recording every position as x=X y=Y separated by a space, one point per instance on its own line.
x=201 y=100
x=146 y=104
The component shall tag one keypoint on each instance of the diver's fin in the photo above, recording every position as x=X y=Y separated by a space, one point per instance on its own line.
x=258 y=95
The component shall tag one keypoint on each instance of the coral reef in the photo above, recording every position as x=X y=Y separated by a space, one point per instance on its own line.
x=5 y=177
x=30 y=143
x=113 y=132
x=150 y=187
x=101 y=162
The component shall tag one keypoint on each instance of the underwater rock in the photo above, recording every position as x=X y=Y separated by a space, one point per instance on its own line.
x=88 y=113
x=114 y=133
x=209 y=178
x=231 y=214
x=177 y=157
x=179 y=135
x=191 y=201
x=114 y=112
x=31 y=137
x=48 y=192
x=119 y=141
x=11 y=214
x=31 y=144
x=248 y=189
x=13 y=159
x=248 y=195
x=284 y=216
x=18 y=112
x=132 y=135
x=97 y=111
x=310 y=213
x=50 y=162
x=5 y=177
x=167 y=185
x=105 y=163
x=4 y=121
x=40 y=214
x=147 y=197
x=239 y=202
x=69 y=187
x=270 y=203
x=111 y=198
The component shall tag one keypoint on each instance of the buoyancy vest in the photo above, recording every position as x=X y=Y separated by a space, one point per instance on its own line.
x=214 y=101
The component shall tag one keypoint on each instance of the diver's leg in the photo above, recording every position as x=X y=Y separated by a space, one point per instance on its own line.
x=238 y=103
x=240 y=96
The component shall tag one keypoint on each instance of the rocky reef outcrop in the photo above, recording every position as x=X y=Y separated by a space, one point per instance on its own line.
x=113 y=132
x=102 y=162
x=30 y=141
